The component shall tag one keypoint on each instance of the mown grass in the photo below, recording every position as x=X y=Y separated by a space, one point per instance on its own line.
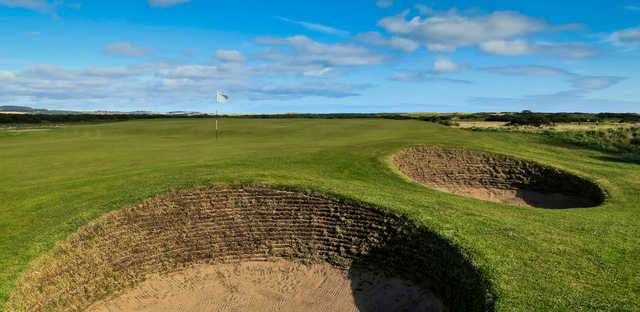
x=52 y=182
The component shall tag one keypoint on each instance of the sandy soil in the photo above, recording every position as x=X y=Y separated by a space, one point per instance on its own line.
x=496 y=178
x=270 y=286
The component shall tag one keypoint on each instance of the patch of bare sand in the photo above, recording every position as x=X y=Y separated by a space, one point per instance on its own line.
x=497 y=178
x=270 y=286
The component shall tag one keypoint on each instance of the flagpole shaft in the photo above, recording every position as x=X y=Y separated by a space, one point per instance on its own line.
x=220 y=98
x=216 y=125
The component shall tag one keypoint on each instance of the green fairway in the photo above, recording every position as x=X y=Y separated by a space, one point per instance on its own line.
x=54 y=181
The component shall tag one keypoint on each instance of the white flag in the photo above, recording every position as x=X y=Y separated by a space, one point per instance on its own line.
x=221 y=97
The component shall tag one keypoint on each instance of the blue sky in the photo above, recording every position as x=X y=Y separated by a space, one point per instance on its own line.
x=329 y=56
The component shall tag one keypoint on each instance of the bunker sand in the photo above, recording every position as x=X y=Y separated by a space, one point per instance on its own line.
x=269 y=286
x=497 y=178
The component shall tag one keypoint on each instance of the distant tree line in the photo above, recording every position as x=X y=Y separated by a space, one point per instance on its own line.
x=434 y=118
x=46 y=118
x=522 y=118
x=530 y=118
x=525 y=118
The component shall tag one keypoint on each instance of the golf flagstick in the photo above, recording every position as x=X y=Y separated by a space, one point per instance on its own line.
x=220 y=98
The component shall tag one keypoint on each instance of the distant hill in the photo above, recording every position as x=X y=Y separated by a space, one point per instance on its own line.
x=21 y=109
x=13 y=114
x=29 y=110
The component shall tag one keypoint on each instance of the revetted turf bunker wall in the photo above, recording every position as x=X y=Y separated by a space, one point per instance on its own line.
x=491 y=176
x=216 y=225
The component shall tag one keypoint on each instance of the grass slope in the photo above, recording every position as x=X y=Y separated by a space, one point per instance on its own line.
x=52 y=182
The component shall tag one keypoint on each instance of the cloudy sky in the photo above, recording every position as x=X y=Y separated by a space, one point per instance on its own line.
x=328 y=56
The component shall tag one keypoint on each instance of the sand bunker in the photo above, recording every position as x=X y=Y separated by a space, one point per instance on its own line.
x=221 y=249
x=497 y=178
x=269 y=286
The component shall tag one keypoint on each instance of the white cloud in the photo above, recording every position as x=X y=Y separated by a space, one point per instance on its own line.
x=444 y=64
x=127 y=49
x=151 y=84
x=165 y=3
x=568 y=101
x=41 y=6
x=403 y=44
x=632 y=8
x=384 y=3
x=230 y=56
x=301 y=70
x=446 y=31
x=441 y=47
x=530 y=70
x=441 y=65
x=580 y=83
x=7 y=75
x=46 y=82
x=596 y=82
x=375 y=38
x=503 y=47
x=629 y=37
x=572 y=50
x=118 y=72
x=423 y=76
x=291 y=92
x=453 y=30
x=425 y=10
x=303 y=57
x=47 y=72
x=320 y=72
x=307 y=51
x=194 y=72
x=316 y=27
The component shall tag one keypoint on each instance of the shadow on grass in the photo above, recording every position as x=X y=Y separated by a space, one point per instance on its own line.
x=621 y=158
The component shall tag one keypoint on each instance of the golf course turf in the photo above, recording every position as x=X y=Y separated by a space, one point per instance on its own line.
x=56 y=181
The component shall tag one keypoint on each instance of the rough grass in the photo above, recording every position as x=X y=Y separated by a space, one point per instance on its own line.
x=53 y=182
x=608 y=137
x=570 y=126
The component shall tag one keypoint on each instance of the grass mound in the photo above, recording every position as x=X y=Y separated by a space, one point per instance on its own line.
x=497 y=178
x=221 y=225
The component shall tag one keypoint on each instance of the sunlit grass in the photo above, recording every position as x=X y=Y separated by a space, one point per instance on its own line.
x=53 y=182
x=570 y=126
